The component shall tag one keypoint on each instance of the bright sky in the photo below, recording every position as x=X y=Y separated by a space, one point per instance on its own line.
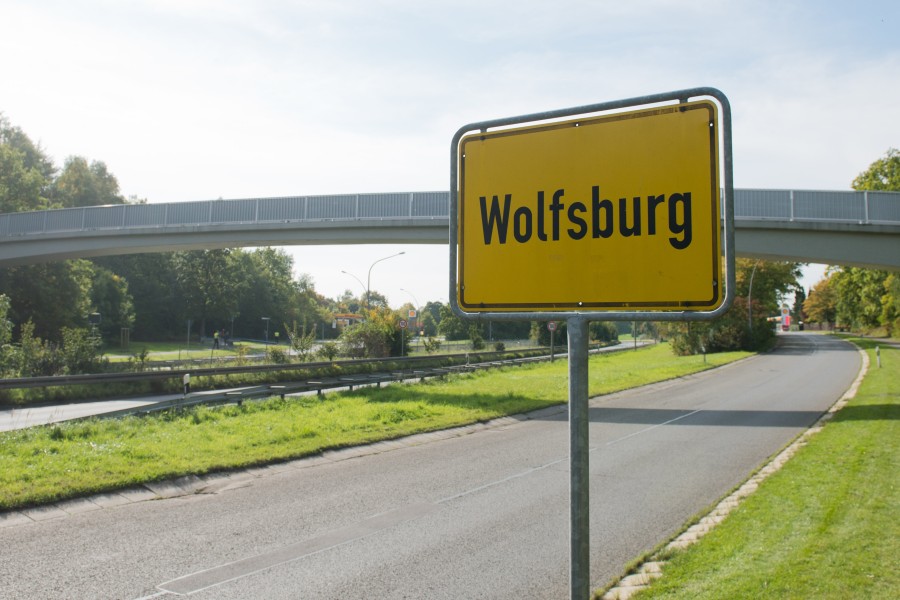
x=201 y=99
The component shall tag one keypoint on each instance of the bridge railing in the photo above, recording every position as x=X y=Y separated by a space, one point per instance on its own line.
x=783 y=205
x=803 y=205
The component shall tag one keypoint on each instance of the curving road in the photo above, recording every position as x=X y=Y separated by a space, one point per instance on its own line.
x=483 y=515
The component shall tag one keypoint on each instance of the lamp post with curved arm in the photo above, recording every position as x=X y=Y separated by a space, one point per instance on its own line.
x=369 y=279
x=357 y=279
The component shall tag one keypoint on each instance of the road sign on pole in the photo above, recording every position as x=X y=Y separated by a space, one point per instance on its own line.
x=624 y=208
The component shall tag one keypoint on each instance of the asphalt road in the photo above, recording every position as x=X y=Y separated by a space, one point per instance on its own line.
x=479 y=516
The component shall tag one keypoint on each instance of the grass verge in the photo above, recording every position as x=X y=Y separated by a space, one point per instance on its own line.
x=827 y=525
x=54 y=462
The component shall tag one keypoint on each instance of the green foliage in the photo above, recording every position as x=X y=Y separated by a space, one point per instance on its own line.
x=824 y=526
x=821 y=304
x=138 y=360
x=451 y=326
x=430 y=318
x=738 y=328
x=890 y=304
x=42 y=464
x=35 y=357
x=25 y=171
x=110 y=298
x=277 y=356
x=301 y=343
x=370 y=338
x=329 y=350
x=540 y=334
x=52 y=295
x=431 y=345
x=207 y=289
x=475 y=337
x=83 y=184
x=7 y=351
x=730 y=332
x=882 y=175
x=80 y=351
x=860 y=293
x=499 y=346
x=603 y=331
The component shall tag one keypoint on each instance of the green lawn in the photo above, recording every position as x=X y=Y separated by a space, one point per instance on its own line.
x=54 y=462
x=827 y=525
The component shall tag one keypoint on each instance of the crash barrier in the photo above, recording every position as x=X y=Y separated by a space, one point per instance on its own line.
x=320 y=385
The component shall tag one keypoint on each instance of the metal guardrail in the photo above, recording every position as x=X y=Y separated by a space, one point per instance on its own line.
x=158 y=375
x=319 y=385
x=786 y=205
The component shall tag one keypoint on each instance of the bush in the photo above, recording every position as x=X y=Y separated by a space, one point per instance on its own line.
x=728 y=332
x=277 y=356
x=499 y=346
x=432 y=345
x=328 y=351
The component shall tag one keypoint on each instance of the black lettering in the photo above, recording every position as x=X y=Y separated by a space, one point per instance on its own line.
x=652 y=203
x=540 y=218
x=522 y=224
x=682 y=227
x=596 y=205
x=581 y=231
x=555 y=207
x=635 y=229
x=489 y=221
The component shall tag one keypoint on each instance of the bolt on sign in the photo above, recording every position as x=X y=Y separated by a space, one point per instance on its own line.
x=617 y=212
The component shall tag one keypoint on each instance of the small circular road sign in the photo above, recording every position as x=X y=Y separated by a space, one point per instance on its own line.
x=551 y=325
x=403 y=323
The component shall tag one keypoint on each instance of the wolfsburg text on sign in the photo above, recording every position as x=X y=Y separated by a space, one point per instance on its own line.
x=525 y=222
x=611 y=212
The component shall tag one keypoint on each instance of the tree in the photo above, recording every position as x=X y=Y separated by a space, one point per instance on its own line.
x=451 y=326
x=6 y=350
x=821 y=305
x=83 y=184
x=860 y=294
x=430 y=318
x=882 y=175
x=25 y=171
x=743 y=326
x=207 y=288
x=890 y=304
x=158 y=312
x=53 y=295
x=378 y=336
x=110 y=298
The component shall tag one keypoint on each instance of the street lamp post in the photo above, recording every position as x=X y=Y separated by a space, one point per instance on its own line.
x=368 y=283
x=750 y=299
x=361 y=284
x=369 y=278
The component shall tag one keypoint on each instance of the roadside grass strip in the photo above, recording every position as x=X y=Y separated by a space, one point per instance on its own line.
x=824 y=524
x=50 y=463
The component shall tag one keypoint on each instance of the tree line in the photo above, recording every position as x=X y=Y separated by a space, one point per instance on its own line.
x=68 y=307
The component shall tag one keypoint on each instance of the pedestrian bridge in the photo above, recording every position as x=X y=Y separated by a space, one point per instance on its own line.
x=829 y=227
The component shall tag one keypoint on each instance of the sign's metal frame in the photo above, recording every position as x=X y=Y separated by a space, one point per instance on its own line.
x=681 y=96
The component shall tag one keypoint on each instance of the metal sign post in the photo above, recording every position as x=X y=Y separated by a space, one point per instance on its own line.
x=579 y=473
x=626 y=207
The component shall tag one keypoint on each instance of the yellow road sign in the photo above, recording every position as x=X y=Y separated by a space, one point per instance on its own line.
x=617 y=212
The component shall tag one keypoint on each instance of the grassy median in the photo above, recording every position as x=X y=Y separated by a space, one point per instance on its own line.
x=827 y=525
x=53 y=462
